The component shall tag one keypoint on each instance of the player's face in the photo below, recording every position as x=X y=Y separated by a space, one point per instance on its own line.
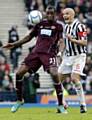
x=50 y=14
x=68 y=17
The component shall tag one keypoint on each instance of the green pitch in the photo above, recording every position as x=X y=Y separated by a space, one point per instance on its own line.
x=44 y=114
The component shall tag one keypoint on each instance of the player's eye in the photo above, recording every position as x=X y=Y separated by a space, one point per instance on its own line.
x=50 y=13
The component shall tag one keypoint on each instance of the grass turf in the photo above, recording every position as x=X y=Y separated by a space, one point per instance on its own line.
x=44 y=114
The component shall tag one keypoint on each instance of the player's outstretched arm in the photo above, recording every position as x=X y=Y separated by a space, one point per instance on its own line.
x=17 y=43
x=8 y=46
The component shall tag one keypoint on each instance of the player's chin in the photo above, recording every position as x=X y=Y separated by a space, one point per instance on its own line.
x=50 y=20
x=67 y=21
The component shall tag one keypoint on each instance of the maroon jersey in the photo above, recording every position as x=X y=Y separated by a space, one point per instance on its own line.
x=48 y=33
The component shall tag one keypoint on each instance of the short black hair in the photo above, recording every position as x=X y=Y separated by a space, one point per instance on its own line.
x=50 y=7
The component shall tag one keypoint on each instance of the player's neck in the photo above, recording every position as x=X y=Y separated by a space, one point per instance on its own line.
x=50 y=21
x=71 y=21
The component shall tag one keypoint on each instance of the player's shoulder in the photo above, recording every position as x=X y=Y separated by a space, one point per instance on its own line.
x=81 y=26
x=79 y=23
x=60 y=22
x=60 y=25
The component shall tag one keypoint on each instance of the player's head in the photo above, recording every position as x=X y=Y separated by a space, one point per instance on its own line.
x=68 y=15
x=50 y=12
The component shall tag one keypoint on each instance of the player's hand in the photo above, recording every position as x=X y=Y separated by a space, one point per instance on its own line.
x=71 y=38
x=8 y=46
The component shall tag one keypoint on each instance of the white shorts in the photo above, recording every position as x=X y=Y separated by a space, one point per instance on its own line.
x=73 y=64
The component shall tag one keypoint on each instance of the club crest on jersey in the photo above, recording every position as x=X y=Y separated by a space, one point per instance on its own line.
x=41 y=26
x=53 y=27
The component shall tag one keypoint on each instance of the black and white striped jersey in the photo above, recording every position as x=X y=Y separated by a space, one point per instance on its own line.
x=78 y=31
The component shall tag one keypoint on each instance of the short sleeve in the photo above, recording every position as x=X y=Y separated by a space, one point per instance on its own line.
x=82 y=32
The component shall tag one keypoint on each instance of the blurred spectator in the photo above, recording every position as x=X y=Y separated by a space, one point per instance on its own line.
x=88 y=65
x=89 y=83
x=83 y=6
x=2 y=74
x=1 y=51
x=69 y=86
x=71 y=3
x=59 y=8
x=46 y=2
x=60 y=5
x=14 y=52
x=31 y=83
x=4 y=66
x=7 y=83
x=89 y=17
x=4 y=70
x=31 y=5
x=28 y=4
x=77 y=10
x=81 y=18
x=89 y=32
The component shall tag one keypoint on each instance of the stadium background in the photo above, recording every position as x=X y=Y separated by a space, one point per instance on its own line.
x=14 y=13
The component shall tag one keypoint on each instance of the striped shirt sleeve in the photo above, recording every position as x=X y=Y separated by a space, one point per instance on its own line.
x=82 y=32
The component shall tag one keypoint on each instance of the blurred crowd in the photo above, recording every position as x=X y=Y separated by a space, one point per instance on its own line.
x=6 y=82
x=9 y=64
